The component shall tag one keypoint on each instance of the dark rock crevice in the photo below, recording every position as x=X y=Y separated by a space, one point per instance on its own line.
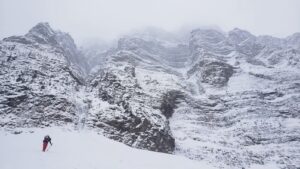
x=169 y=101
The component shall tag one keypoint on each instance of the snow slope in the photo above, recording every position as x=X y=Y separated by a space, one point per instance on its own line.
x=81 y=150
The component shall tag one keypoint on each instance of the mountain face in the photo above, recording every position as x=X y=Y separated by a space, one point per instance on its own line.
x=230 y=99
x=37 y=75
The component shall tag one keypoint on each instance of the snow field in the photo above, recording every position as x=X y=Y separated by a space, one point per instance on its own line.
x=81 y=150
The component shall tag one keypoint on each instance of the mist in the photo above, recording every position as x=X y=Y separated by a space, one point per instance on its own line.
x=106 y=20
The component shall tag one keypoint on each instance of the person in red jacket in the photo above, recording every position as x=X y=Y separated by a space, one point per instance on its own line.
x=46 y=140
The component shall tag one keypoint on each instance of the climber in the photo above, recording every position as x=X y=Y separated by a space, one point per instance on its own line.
x=46 y=140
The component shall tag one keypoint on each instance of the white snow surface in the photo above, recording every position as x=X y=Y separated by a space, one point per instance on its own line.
x=81 y=150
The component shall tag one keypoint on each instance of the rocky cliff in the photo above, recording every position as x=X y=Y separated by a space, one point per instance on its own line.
x=228 y=98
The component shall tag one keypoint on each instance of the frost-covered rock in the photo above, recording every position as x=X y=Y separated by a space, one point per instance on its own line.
x=130 y=116
x=230 y=99
x=213 y=72
x=254 y=118
x=37 y=76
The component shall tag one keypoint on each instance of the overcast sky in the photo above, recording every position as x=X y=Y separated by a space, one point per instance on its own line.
x=107 y=19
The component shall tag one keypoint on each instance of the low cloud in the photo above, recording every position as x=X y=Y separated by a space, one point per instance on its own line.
x=99 y=19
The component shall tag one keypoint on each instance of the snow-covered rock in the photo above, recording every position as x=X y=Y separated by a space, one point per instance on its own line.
x=132 y=115
x=230 y=99
x=38 y=73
